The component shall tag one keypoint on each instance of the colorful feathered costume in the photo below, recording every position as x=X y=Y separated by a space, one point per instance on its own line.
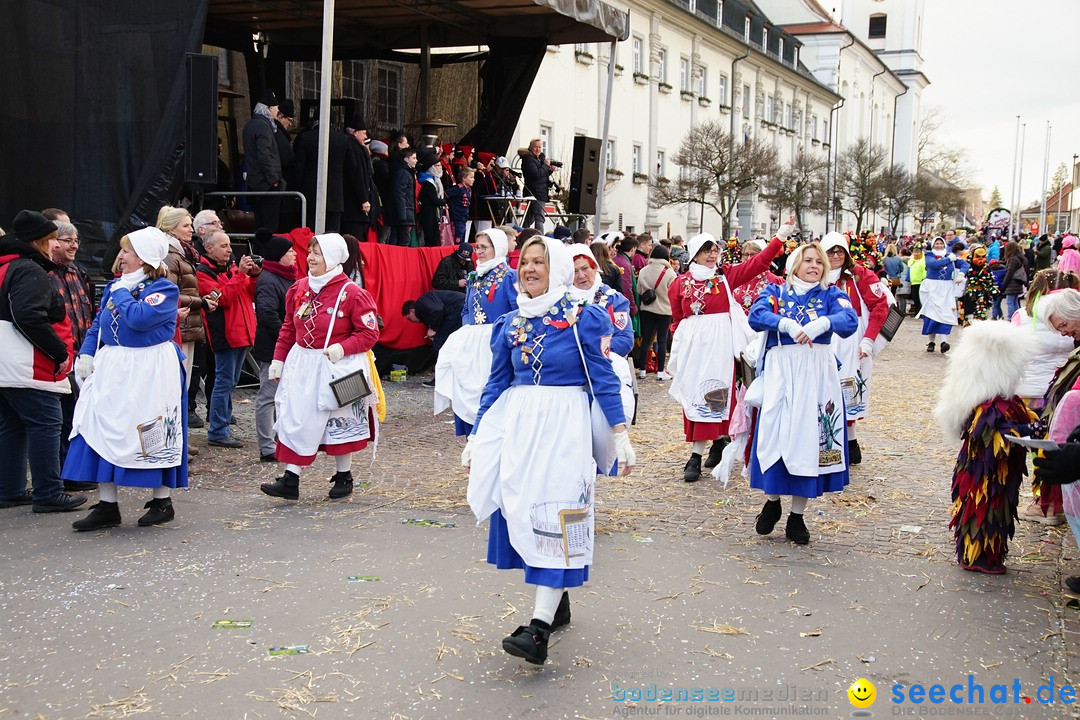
x=981 y=290
x=979 y=407
x=732 y=254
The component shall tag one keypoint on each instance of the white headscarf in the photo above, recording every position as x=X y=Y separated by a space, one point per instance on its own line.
x=560 y=277
x=578 y=250
x=697 y=270
x=151 y=245
x=831 y=240
x=334 y=252
x=498 y=241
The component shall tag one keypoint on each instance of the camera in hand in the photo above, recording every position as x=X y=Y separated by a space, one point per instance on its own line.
x=555 y=163
x=257 y=259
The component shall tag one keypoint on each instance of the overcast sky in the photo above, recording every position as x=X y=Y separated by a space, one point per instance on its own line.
x=991 y=60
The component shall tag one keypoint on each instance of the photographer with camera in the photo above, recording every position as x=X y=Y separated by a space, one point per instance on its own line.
x=536 y=170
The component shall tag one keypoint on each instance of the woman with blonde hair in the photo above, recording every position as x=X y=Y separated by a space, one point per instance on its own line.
x=130 y=424
x=180 y=265
x=800 y=439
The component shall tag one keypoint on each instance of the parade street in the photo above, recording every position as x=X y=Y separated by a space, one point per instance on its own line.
x=382 y=606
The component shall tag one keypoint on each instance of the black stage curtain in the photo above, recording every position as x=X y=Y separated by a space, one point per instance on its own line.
x=507 y=77
x=93 y=109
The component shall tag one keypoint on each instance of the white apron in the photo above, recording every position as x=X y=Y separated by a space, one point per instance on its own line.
x=462 y=371
x=129 y=408
x=938 y=301
x=307 y=413
x=623 y=369
x=542 y=477
x=801 y=390
x=855 y=372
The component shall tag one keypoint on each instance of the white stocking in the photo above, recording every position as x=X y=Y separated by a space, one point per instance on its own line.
x=160 y=493
x=547 y=602
x=698 y=447
x=798 y=504
x=344 y=462
x=294 y=469
x=772 y=498
x=107 y=492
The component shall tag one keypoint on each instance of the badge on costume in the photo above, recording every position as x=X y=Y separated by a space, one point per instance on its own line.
x=154 y=299
x=877 y=289
x=844 y=302
x=370 y=321
x=811 y=313
x=622 y=319
x=605 y=346
x=302 y=311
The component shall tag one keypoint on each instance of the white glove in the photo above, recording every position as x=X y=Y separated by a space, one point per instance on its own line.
x=785 y=231
x=867 y=347
x=466 y=454
x=814 y=328
x=335 y=352
x=276 y=366
x=624 y=451
x=84 y=366
x=789 y=326
x=952 y=256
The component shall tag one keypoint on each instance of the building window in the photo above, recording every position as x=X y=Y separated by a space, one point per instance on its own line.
x=581 y=47
x=825 y=131
x=309 y=79
x=637 y=55
x=765 y=40
x=746 y=30
x=661 y=163
x=780 y=54
x=703 y=83
x=389 y=97
x=877 y=26
x=635 y=159
x=661 y=73
x=723 y=90
x=746 y=101
x=770 y=108
x=545 y=139
x=789 y=118
x=813 y=127
x=354 y=82
x=612 y=158
x=684 y=74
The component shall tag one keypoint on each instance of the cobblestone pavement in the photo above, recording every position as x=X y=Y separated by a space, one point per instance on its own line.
x=684 y=593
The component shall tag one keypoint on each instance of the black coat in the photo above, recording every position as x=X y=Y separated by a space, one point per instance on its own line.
x=380 y=171
x=402 y=194
x=360 y=185
x=270 y=292
x=261 y=155
x=29 y=300
x=450 y=271
x=1015 y=275
x=430 y=205
x=306 y=149
x=440 y=310
x=535 y=173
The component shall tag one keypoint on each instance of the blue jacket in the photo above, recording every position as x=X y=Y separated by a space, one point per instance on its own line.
x=618 y=310
x=558 y=363
x=457 y=201
x=490 y=296
x=142 y=318
x=939 y=269
x=780 y=301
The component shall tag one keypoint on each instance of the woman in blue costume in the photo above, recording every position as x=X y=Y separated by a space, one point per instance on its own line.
x=938 y=295
x=532 y=454
x=130 y=424
x=800 y=441
x=589 y=288
x=464 y=363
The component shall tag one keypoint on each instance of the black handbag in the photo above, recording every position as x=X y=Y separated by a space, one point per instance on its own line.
x=892 y=323
x=349 y=388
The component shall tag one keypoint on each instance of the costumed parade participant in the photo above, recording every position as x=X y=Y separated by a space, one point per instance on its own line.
x=587 y=288
x=330 y=327
x=732 y=254
x=981 y=292
x=799 y=444
x=746 y=294
x=938 y=296
x=534 y=452
x=130 y=423
x=464 y=362
x=870 y=301
x=710 y=334
x=979 y=407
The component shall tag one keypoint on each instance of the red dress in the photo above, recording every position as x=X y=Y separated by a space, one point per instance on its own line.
x=682 y=295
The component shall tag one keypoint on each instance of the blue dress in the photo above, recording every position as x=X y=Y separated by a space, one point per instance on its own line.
x=559 y=364
x=780 y=301
x=937 y=293
x=142 y=318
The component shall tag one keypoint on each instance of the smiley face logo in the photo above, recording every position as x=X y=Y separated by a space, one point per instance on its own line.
x=862 y=693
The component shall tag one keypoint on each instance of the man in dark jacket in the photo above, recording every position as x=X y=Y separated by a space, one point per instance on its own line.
x=453 y=270
x=290 y=206
x=536 y=170
x=278 y=275
x=339 y=165
x=263 y=160
x=35 y=356
x=403 y=196
x=361 y=196
x=440 y=311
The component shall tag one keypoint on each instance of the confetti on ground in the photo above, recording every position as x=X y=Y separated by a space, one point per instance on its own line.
x=816 y=632
x=641 y=538
x=913 y=529
x=231 y=624
x=423 y=522
x=363 y=578
x=288 y=650
x=721 y=629
x=136 y=703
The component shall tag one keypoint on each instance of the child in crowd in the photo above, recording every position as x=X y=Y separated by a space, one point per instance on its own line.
x=458 y=199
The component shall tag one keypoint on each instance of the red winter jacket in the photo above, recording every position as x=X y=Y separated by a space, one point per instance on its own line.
x=232 y=325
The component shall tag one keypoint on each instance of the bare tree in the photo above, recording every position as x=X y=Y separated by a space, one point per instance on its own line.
x=715 y=171
x=898 y=194
x=935 y=195
x=946 y=161
x=859 y=172
x=800 y=186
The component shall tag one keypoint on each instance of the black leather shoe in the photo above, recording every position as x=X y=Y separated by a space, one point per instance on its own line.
x=268 y=458
x=930 y=347
x=944 y=347
x=18 y=500
x=232 y=421
x=287 y=486
x=1073 y=583
x=692 y=469
x=194 y=422
x=562 y=614
x=716 y=451
x=854 y=452
x=102 y=515
x=528 y=642
x=60 y=503
x=161 y=512
x=342 y=485
x=76 y=486
x=796 y=529
x=768 y=517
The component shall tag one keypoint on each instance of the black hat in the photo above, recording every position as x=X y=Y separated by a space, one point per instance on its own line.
x=275 y=248
x=562 y=232
x=464 y=251
x=287 y=109
x=31 y=225
x=356 y=122
x=425 y=159
x=268 y=98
